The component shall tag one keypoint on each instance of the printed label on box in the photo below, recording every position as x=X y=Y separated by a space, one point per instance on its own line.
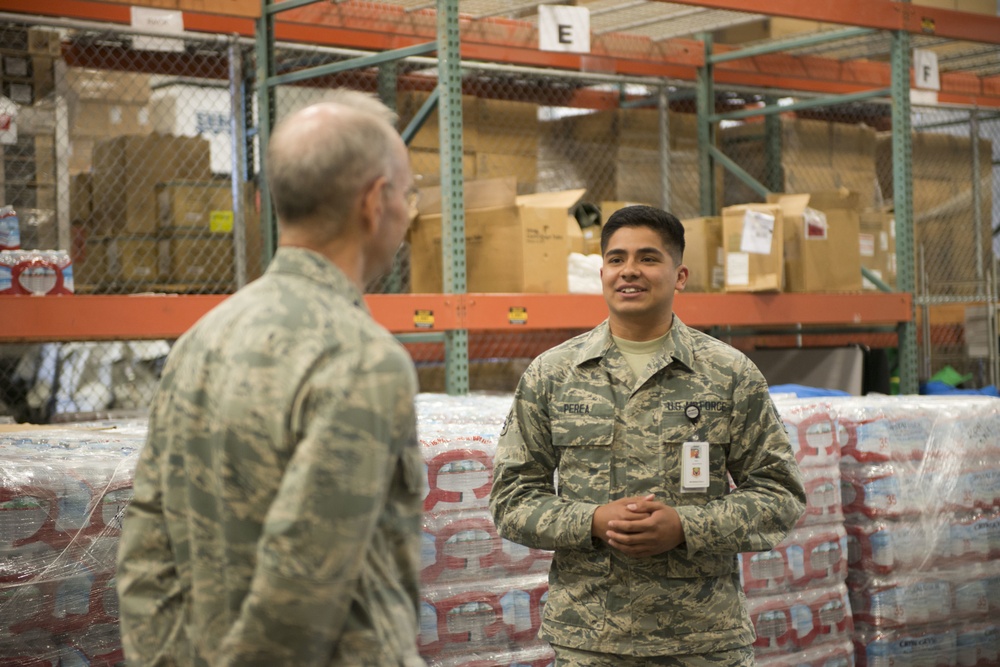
x=737 y=268
x=758 y=233
x=867 y=244
x=220 y=222
x=815 y=225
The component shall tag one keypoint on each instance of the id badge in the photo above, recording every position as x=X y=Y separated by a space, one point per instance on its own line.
x=694 y=467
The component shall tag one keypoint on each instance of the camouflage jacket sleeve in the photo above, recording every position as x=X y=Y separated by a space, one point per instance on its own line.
x=523 y=498
x=322 y=523
x=769 y=496
x=151 y=595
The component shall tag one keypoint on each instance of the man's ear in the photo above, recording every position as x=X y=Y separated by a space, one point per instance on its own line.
x=682 y=277
x=373 y=204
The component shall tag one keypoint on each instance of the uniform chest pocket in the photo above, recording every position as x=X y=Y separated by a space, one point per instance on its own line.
x=583 y=435
x=711 y=460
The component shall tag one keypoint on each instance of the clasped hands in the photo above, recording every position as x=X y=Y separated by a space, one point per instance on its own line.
x=639 y=526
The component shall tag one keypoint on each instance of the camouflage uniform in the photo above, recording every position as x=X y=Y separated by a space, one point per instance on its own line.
x=580 y=412
x=276 y=518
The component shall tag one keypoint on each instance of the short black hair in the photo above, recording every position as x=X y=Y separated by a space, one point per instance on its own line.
x=665 y=224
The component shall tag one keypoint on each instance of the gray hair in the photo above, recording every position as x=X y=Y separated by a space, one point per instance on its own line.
x=322 y=157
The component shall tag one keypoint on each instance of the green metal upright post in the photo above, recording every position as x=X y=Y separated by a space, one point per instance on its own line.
x=456 y=342
x=663 y=106
x=775 y=174
x=388 y=74
x=902 y=180
x=706 y=130
x=264 y=46
x=977 y=202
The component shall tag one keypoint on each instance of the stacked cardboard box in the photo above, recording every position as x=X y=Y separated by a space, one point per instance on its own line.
x=703 y=254
x=616 y=156
x=197 y=232
x=499 y=139
x=27 y=167
x=752 y=238
x=815 y=156
x=512 y=243
x=778 y=27
x=27 y=56
x=27 y=172
x=121 y=241
x=821 y=241
x=103 y=104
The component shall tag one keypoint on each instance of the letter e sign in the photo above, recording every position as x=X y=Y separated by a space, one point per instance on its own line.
x=563 y=28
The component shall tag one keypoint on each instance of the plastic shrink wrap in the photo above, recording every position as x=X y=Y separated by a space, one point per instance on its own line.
x=62 y=496
x=482 y=595
x=796 y=592
x=921 y=491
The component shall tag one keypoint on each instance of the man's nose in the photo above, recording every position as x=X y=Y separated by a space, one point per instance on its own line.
x=631 y=268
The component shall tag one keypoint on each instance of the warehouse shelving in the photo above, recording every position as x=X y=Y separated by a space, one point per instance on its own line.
x=148 y=316
x=408 y=23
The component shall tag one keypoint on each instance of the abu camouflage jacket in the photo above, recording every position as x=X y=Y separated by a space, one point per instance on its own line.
x=583 y=432
x=276 y=518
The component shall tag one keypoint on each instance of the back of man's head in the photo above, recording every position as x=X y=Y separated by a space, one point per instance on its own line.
x=665 y=224
x=321 y=158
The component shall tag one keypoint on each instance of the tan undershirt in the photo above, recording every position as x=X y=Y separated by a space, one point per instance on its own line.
x=638 y=353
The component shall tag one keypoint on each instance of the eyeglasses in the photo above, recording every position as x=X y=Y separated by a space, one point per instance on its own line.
x=412 y=195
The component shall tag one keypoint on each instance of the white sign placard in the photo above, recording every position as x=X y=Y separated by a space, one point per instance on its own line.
x=925 y=70
x=563 y=28
x=163 y=21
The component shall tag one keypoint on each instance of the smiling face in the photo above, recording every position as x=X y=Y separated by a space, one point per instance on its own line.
x=640 y=277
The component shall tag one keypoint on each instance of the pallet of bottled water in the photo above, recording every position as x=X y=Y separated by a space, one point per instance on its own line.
x=63 y=492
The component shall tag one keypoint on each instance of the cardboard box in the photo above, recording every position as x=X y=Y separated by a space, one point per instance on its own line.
x=127 y=169
x=524 y=168
x=195 y=206
x=877 y=247
x=197 y=221
x=45 y=160
x=821 y=241
x=81 y=197
x=100 y=119
x=506 y=127
x=44 y=42
x=198 y=258
x=513 y=243
x=131 y=259
x=703 y=254
x=409 y=103
x=752 y=236
x=488 y=126
x=107 y=86
x=81 y=155
x=426 y=165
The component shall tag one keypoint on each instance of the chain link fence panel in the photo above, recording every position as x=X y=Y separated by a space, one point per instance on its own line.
x=125 y=158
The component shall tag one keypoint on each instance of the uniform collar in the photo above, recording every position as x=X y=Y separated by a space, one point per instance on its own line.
x=598 y=342
x=313 y=266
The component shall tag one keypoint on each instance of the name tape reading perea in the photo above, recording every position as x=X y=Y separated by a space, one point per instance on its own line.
x=670 y=406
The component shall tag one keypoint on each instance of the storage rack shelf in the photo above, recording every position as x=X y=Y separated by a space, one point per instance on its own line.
x=359 y=26
x=377 y=27
x=152 y=316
